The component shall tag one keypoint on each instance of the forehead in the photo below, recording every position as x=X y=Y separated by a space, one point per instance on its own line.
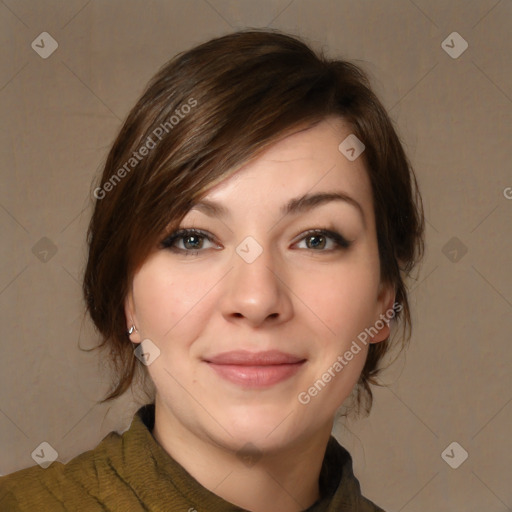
x=306 y=162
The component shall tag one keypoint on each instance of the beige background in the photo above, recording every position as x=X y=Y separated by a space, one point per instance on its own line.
x=59 y=116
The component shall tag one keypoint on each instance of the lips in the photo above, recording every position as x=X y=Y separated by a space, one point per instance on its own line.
x=255 y=369
x=246 y=358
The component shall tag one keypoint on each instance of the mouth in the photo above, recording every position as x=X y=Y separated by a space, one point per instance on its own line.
x=255 y=369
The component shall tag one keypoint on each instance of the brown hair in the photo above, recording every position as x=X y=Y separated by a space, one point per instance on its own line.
x=206 y=113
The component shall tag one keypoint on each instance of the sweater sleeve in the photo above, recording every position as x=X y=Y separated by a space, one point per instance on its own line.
x=89 y=482
x=26 y=491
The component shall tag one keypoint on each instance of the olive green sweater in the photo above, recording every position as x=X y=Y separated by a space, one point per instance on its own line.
x=132 y=472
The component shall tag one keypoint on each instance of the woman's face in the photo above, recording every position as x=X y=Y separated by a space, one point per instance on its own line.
x=256 y=279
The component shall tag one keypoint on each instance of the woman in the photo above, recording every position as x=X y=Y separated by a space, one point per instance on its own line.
x=253 y=227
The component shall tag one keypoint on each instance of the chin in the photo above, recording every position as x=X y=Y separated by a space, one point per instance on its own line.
x=266 y=428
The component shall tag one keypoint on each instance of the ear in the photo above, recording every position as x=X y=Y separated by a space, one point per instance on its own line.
x=131 y=318
x=385 y=302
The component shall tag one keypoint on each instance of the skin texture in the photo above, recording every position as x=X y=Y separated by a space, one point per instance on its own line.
x=305 y=299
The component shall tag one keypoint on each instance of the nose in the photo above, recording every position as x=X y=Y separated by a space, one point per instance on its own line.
x=256 y=292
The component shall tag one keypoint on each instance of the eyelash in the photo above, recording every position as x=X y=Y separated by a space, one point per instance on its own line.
x=168 y=242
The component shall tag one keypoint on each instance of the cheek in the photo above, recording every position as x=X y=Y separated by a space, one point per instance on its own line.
x=162 y=300
x=344 y=300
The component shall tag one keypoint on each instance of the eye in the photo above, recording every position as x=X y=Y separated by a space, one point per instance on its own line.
x=324 y=240
x=192 y=241
x=187 y=241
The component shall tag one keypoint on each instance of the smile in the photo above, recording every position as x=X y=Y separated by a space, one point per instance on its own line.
x=255 y=370
x=256 y=376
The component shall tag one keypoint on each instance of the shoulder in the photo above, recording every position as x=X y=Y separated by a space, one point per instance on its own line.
x=71 y=486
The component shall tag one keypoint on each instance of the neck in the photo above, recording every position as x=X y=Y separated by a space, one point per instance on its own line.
x=284 y=480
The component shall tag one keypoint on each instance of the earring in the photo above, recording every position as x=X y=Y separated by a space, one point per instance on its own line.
x=131 y=330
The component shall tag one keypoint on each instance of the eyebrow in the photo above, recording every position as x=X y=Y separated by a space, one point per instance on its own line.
x=294 y=206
